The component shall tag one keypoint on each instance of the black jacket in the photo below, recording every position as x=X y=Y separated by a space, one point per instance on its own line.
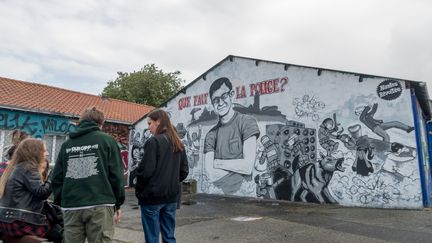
x=24 y=196
x=160 y=172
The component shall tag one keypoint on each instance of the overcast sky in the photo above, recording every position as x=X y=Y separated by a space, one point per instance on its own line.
x=80 y=45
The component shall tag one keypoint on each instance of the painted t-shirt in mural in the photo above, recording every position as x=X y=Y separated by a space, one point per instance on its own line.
x=226 y=141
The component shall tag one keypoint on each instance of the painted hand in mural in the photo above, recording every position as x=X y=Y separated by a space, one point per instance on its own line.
x=218 y=167
x=241 y=166
x=213 y=173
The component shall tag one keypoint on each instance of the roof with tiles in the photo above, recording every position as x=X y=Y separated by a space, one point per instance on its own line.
x=41 y=98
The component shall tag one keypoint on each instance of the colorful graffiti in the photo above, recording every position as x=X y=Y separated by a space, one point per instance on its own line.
x=300 y=140
x=120 y=132
x=35 y=124
x=38 y=124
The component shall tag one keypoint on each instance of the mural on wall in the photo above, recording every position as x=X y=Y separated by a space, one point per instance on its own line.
x=35 y=124
x=192 y=145
x=136 y=145
x=119 y=132
x=292 y=137
x=308 y=107
x=227 y=162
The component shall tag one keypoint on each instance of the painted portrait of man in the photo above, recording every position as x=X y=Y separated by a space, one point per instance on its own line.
x=230 y=146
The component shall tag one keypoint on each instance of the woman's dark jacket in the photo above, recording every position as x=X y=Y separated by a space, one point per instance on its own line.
x=24 y=196
x=160 y=172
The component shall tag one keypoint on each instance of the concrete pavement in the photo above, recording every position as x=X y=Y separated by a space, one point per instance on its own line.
x=209 y=218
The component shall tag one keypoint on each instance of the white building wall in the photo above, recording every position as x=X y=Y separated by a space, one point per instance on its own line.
x=355 y=167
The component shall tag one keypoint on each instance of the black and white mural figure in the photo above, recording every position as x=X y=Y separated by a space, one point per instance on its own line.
x=193 y=147
x=328 y=131
x=137 y=151
x=387 y=147
x=262 y=129
x=364 y=151
x=229 y=147
x=379 y=127
x=286 y=148
x=181 y=130
x=265 y=187
x=136 y=157
x=309 y=182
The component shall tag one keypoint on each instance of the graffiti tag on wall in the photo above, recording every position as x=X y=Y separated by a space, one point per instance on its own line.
x=35 y=125
x=120 y=132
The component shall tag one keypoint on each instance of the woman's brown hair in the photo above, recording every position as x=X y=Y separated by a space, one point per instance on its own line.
x=165 y=125
x=31 y=152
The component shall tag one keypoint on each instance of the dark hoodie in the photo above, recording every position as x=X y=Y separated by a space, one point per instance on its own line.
x=88 y=170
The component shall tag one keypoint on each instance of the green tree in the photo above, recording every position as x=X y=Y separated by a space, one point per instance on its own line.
x=150 y=86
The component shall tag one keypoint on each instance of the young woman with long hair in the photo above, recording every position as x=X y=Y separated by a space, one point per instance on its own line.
x=164 y=165
x=23 y=190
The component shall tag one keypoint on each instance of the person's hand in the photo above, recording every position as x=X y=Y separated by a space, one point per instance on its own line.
x=117 y=216
x=43 y=169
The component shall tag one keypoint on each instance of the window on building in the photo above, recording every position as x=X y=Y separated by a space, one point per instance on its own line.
x=53 y=142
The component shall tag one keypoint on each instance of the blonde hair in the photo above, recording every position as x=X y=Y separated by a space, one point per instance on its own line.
x=30 y=152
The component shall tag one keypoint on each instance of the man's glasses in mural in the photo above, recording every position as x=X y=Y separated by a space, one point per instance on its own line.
x=224 y=97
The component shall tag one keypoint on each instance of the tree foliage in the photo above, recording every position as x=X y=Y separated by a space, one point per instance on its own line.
x=149 y=86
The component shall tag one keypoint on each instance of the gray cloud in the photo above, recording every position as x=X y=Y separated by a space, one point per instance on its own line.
x=80 y=45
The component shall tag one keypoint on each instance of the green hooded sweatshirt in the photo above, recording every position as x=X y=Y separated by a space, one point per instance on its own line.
x=88 y=169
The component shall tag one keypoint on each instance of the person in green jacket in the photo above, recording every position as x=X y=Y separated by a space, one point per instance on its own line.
x=87 y=181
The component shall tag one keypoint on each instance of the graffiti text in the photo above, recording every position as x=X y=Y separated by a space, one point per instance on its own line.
x=269 y=86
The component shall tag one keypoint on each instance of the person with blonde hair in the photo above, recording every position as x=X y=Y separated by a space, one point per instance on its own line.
x=23 y=190
x=163 y=167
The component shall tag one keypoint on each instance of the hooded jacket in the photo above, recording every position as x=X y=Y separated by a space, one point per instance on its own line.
x=88 y=169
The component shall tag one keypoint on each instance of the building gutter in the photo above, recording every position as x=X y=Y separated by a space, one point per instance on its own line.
x=67 y=115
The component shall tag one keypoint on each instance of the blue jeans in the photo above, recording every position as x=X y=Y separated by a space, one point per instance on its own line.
x=159 y=218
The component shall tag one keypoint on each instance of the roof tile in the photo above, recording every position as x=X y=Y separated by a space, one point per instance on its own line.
x=21 y=94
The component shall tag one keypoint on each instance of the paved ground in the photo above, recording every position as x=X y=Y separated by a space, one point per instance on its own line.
x=208 y=218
